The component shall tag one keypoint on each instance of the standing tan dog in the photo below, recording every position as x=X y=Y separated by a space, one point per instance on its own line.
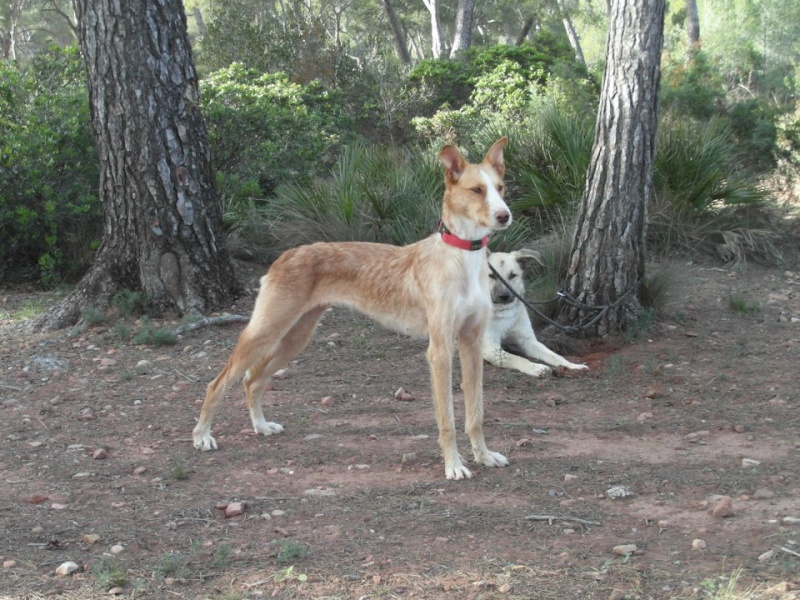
x=437 y=287
x=510 y=325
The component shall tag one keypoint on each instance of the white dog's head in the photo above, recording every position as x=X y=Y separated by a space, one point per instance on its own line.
x=507 y=264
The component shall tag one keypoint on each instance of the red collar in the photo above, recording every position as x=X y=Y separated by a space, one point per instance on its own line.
x=454 y=240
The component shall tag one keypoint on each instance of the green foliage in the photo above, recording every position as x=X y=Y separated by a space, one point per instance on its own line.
x=50 y=216
x=92 y=316
x=172 y=564
x=290 y=551
x=128 y=303
x=109 y=573
x=739 y=304
x=151 y=336
x=265 y=130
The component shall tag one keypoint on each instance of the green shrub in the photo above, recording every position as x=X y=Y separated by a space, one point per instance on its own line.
x=50 y=216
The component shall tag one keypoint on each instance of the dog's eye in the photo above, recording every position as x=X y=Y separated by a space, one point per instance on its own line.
x=477 y=190
x=491 y=276
x=512 y=275
x=500 y=188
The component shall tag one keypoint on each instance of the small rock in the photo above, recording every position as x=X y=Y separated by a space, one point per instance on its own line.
x=319 y=492
x=90 y=538
x=722 y=508
x=696 y=436
x=100 y=454
x=234 y=509
x=313 y=436
x=625 y=549
x=569 y=477
x=139 y=470
x=523 y=442
x=619 y=491
x=67 y=568
x=645 y=416
x=116 y=549
x=327 y=401
x=739 y=428
x=278 y=513
x=116 y=591
x=280 y=374
x=749 y=462
x=698 y=544
x=107 y=362
x=766 y=556
x=763 y=494
x=400 y=391
x=653 y=393
x=143 y=367
x=409 y=457
x=57 y=506
x=9 y=564
x=791 y=520
x=504 y=588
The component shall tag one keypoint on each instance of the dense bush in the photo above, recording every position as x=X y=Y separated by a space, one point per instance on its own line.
x=50 y=216
x=265 y=130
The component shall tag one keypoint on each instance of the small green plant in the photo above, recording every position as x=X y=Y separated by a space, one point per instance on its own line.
x=641 y=325
x=615 y=366
x=740 y=304
x=151 y=336
x=29 y=310
x=180 y=472
x=288 y=574
x=92 y=316
x=109 y=573
x=172 y=564
x=291 y=550
x=122 y=331
x=128 y=303
x=222 y=556
x=654 y=289
x=126 y=375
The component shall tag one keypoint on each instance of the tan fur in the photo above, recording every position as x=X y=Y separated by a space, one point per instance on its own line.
x=427 y=289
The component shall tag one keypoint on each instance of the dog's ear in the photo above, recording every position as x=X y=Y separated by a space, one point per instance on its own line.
x=495 y=156
x=527 y=253
x=454 y=163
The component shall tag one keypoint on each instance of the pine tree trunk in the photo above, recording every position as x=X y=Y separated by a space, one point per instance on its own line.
x=692 y=25
x=162 y=218
x=607 y=259
x=399 y=37
x=572 y=35
x=436 y=37
x=463 y=34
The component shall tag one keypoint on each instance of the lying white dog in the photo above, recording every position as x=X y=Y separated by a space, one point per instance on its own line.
x=510 y=326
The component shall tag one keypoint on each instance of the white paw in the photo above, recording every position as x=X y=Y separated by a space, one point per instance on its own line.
x=267 y=428
x=492 y=459
x=205 y=442
x=457 y=471
x=576 y=367
x=535 y=370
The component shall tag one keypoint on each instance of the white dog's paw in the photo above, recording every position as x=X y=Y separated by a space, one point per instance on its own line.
x=205 y=442
x=536 y=370
x=267 y=428
x=491 y=459
x=576 y=367
x=456 y=470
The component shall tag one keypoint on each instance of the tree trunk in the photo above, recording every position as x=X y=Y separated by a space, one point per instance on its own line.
x=436 y=36
x=463 y=35
x=607 y=260
x=397 y=31
x=692 y=25
x=572 y=35
x=162 y=219
x=526 y=29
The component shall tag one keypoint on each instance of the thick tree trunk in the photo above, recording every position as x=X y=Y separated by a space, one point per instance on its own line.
x=397 y=31
x=692 y=25
x=607 y=260
x=162 y=218
x=463 y=35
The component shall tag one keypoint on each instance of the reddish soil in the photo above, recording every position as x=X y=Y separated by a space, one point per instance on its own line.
x=365 y=511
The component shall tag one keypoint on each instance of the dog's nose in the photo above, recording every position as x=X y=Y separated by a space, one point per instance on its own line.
x=502 y=216
x=504 y=297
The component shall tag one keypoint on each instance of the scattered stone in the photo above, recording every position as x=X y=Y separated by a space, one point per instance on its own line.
x=67 y=568
x=625 y=549
x=696 y=436
x=568 y=531
x=234 y=509
x=116 y=591
x=139 y=470
x=645 y=416
x=49 y=363
x=739 y=428
x=280 y=374
x=116 y=549
x=618 y=491
x=327 y=401
x=57 y=506
x=278 y=513
x=791 y=521
x=653 y=393
x=9 y=564
x=313 y=436
x=749 y=462
x=90 y=538
x=266 y=516
x=38 y=529
x=569 y=477
x=763 y=494
x=523 y=442
x=698 y=544
x=319 y=492
x=108 y=362
x=504 y=588
x=403 y=395
x=766 y=556
x=409 y=457
x=100 y=454
x=723 y=507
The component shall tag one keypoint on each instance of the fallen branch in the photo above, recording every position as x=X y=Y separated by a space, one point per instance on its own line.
x=551 y=518
x=792 y=552
x=207 y=321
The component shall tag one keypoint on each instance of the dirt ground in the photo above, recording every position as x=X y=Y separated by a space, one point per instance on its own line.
x=350 y=501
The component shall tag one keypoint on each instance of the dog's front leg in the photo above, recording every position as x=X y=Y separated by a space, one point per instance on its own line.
x=440 y=359
x=469 y=348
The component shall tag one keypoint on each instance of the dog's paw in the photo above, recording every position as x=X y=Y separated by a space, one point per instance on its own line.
x=576 y=367
x=492 y=459
x=205 y=443
x=267 y=428
x=458 y=471
x=536 y=370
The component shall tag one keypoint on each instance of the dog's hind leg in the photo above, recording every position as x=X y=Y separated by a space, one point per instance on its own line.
x=290 y=345
x=469 y=349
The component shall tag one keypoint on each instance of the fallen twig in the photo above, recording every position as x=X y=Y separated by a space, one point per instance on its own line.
x=792 y=552
x=207 y=321
x=551 y=518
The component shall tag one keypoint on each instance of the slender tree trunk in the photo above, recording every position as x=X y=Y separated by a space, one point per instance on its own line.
x=162 y=219
x=526 y=29
x=397 y=31
x=572 y=35
x=202 y=29
x=692 y=25
x=607 y=260
x=437 y=47
x=462 y=39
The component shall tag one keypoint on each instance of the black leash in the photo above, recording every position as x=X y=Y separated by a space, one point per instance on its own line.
x=568 y=329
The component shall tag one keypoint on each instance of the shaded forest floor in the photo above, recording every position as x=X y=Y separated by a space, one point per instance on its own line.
x=350 y=501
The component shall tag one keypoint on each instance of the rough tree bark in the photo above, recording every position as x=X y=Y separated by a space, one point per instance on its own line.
x=397 y=31
x=607 y=260
x=437 y=46
x=572 y=35
x=162 y=218
x=462 y=39
x=692 y=25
